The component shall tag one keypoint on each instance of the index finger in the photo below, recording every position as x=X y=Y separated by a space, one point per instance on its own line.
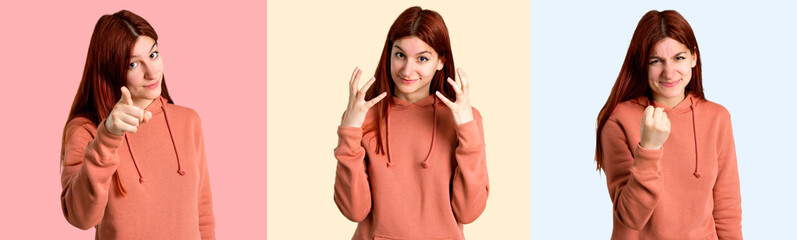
x=648 y=113
x=463 y=78
x=355 y=79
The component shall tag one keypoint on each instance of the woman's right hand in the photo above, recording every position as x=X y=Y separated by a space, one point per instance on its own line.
x=126 y=117
x=358 y=107
x=655 y=128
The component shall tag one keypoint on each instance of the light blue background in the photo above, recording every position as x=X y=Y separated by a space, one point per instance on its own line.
x=577 y=47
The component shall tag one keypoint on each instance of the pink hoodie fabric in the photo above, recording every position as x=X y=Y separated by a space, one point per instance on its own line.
x=162 y=166
x=688 y=189
x=422 y=188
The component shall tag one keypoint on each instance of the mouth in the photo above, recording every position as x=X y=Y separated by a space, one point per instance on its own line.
x=407 y=81
x=152 y=86
x=670 y=84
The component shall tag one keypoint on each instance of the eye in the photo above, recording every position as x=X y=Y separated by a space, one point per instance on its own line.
x=154 y=55
x=680 y=58
x=399 y=55
x=423 y=59
x=654 y=61
x=133 y=65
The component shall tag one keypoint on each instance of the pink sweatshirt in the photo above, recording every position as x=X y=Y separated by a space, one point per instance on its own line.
x=688 y=189
x=166 y=205
x=405 y=194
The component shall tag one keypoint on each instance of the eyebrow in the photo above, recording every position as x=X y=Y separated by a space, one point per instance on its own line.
x=150 y=49
x=656 y=56
x=396 y=46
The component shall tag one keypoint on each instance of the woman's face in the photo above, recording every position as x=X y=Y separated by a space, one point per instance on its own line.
x=144 y=71
x=669 y=71
x=413 y=63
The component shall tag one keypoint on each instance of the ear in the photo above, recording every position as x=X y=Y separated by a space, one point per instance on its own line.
x=694 y=57
x=440 y=64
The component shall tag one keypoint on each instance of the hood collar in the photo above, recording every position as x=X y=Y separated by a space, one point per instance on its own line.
x=684 y=106
x=423 y=102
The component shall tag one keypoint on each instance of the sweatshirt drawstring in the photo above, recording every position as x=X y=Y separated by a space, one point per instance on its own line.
x=180 y=169
x=426 y=163
x=697 y=173
x=135 y=163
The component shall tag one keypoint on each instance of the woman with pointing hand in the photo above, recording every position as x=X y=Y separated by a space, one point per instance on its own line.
x=668 y=153
x=132 y=163
x=411 y=153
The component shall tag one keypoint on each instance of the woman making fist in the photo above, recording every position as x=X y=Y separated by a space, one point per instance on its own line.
x=667 y=152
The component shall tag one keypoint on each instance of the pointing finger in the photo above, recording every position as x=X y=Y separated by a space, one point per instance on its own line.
x=147 y=116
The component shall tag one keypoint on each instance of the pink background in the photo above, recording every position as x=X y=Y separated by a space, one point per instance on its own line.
x=215 y=59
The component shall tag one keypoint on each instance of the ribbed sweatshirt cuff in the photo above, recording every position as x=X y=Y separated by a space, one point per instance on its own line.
x=469 y=136
x=109 y=143
x=349 y=139
x=647 y=161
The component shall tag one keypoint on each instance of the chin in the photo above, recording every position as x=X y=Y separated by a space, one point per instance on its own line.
x=406 y=89
x=153 y=95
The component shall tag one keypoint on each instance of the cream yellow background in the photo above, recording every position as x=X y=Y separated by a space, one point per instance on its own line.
x=312 y=50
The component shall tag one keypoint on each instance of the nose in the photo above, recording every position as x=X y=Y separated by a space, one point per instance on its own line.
x=149 y=71
x=670 y=71
x=407 y=68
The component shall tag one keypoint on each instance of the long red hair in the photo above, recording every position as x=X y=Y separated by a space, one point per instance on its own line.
x=106 y=70
x=633 y=79
x=428 y=26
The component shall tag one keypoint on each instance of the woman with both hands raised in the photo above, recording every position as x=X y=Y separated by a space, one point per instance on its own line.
x=411 y=153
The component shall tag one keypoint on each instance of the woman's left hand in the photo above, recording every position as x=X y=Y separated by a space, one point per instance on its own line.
x=461 y=108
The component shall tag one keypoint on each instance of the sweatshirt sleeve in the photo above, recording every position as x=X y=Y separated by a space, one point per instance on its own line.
x=727 y=197
x=87 y=166
x=634 y=178
x=352 y=188
x=470 y=186
x=207 y=221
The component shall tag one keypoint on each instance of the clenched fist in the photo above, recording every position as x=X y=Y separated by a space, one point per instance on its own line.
x=655 y=128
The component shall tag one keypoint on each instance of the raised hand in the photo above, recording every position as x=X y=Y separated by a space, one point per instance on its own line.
x=126 y=117
x=655 y=128
x=461 y=108
x=358 y=107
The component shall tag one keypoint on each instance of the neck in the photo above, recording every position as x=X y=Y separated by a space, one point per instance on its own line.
x=412 y=97
x=670 y=102
x=143 y=103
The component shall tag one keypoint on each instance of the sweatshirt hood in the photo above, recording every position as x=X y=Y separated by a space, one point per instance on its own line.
x=689 y=104
x=401 y=104
x=157 y=106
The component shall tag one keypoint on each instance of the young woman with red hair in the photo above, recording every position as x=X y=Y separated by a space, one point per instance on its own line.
x=668 y=153
x=124 y=126
x=411 y=153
